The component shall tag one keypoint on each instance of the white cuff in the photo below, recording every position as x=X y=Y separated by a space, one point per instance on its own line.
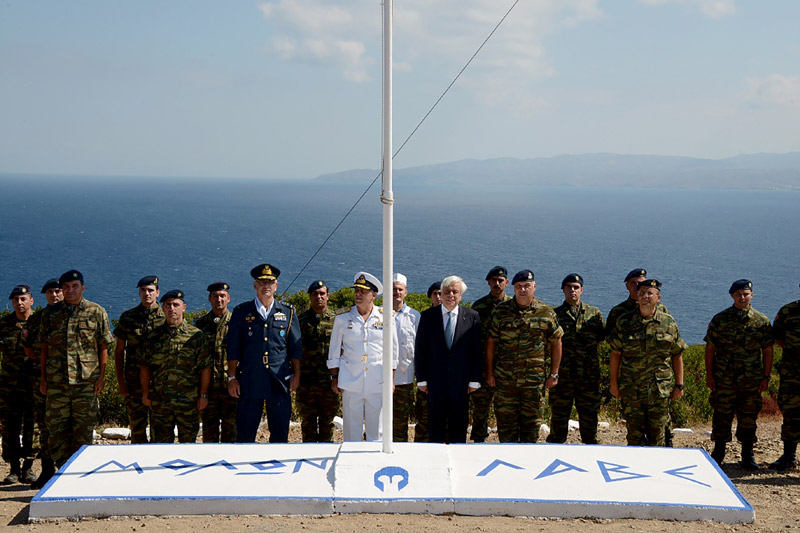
x=474 y=385
x=422 y=383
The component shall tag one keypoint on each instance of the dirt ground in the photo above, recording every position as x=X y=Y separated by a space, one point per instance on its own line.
x=775 y=497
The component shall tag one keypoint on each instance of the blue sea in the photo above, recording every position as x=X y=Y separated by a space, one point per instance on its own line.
x=191 y=232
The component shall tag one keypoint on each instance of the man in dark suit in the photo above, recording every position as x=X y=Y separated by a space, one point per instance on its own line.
x=448 y=362
x=264 y=352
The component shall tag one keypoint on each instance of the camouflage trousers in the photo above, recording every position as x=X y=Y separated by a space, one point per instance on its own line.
x=741 y=400
x=789 y=403
x=165 y=415
x=138 y=413
x=16 y=414
x=586 y=397
x=71 y=414
x=481 y=401
x=317 y=405
x=421 y=433
x=518 y=409
x=39 y=412
x=645 y=417
x=221 y=411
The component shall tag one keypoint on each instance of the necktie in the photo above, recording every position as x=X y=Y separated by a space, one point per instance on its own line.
x=450 y=329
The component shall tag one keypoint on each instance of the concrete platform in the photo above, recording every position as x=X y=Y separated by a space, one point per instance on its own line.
x=546 y=480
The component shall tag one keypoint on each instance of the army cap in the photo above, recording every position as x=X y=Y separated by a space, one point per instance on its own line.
x=365 y=280
x=522 y=275
x=172 y=295
x=19 y=290
x=435 y=286
x=636 y=273
x=70 y=275
x=649 y=283
x=497 y=271
x=265 y=271
x=51 y=283
x=218 y=286
x=399 y=278
x=740 y=284
x=147 y=280
x=572 y=278
x=315 y=286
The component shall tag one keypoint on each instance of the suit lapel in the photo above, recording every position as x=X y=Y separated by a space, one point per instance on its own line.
x=460 y=325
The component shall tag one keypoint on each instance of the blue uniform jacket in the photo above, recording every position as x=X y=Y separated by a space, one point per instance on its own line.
x=251 y=340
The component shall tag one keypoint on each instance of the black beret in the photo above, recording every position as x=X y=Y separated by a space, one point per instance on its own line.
x=435 y=286
x=315 y=286
x=497 y=271
x=740 y=284
x=147 y=280
x=173 y=294
x=19 y=290
x=70 y=275
x=522 y=275
x=572 y=278
x=51 y=283
x=265 y=271
x=649 y=283
x=218 y=286
x=636 y=273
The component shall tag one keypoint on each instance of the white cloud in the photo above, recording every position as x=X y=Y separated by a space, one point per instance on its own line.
x=711 y=8
x=775 y=91
x=437 y=34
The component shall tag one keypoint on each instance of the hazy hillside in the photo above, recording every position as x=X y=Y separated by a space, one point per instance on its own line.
x=748 y=171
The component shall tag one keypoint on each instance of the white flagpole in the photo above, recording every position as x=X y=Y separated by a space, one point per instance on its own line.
x=387 y=198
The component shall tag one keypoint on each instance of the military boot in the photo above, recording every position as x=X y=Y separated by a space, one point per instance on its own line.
x=786 y=461
x=27 y=476
x=719 y=452
x=13 y=476
x=748 y=459
x=48 y=469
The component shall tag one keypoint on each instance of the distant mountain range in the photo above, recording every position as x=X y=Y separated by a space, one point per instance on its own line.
x=748 y=171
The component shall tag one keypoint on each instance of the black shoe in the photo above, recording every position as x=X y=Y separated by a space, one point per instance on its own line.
x=748 y=459
x=48 y=469
x=784 y=464
x=13 y=476
x=27 y=476
x=719 y=452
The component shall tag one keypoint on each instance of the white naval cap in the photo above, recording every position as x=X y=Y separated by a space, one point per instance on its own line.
x=365 y=280
x=399 y=278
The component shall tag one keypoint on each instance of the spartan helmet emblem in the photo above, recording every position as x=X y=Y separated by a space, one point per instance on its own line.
x=390 y=473
x=75 y=275
x=23 y=290
x=319 y=283
x=155 y=282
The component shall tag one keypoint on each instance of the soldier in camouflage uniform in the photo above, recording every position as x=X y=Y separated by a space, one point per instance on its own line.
x=579 y=374
x=786 y=329
x=33 y=349
x=646 y=350
x=16 y=396
x=75 y=336
x=221 y=409
x=175 y=374
x=133 y=326
x=406 y=320
x=632 y=281
x=481 y=399
x=738 y=367
x=520 y=332
x=316 y=402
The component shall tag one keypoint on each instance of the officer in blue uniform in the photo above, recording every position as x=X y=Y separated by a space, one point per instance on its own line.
x=264 y=352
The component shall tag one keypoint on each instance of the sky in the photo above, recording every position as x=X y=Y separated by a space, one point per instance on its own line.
x=291 y=89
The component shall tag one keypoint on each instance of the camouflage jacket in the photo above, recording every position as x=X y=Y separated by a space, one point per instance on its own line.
x=133 y=326
x=175 y=356
x=216 y=330
x=484 y=307
x=739 y=337
x=627 y=306
x=584 y=328
x=74 y=336
x=16 y=369
x=523 y=337
x=786 y=329
x=647 y=346
x=315 y=334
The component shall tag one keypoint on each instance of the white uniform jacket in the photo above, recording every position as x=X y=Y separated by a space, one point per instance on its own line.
x=406 y=322
x=357 y=351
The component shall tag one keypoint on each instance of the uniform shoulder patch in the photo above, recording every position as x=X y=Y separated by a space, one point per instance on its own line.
x=343 y=310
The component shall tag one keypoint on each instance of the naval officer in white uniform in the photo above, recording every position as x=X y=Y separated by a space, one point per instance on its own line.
x=355 y=360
